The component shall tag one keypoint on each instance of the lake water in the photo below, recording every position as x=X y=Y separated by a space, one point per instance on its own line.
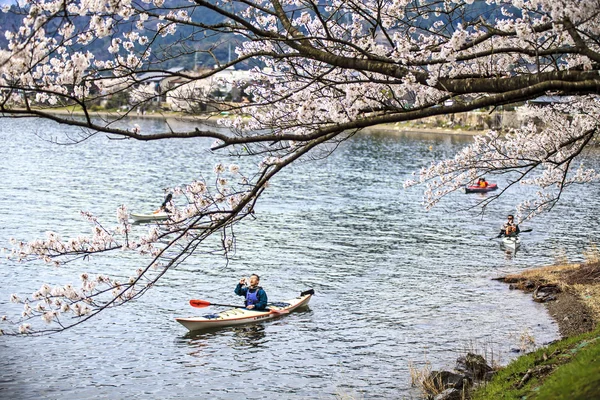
x=395 y=285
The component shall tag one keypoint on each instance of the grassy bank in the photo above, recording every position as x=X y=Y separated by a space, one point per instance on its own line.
x=570 y=367
x=567 y=369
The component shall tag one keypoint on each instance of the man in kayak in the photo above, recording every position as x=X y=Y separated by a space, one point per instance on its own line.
x=510 y=228
x=482 y=183
x=256 y=297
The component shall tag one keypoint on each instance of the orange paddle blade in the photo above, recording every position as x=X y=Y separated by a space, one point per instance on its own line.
x=199 y=303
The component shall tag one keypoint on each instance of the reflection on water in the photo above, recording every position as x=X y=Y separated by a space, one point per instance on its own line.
x=394 y=283
x=251 y=335
x=243 y=336
x=510 y=252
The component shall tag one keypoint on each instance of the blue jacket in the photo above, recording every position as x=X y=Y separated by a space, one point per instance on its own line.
x=262 y=296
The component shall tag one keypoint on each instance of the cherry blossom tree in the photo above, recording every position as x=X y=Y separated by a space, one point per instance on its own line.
x=322 y=71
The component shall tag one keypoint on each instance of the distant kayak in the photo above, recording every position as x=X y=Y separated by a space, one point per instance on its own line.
x=161 y=216
x=479 y=189
x=241 y=316
x=511 y=241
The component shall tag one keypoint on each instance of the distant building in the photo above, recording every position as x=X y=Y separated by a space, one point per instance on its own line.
x=159 y=80
x=194 y=94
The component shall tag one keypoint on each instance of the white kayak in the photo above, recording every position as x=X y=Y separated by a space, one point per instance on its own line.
x=159 y=216
x=511 y=241
x=241 y=316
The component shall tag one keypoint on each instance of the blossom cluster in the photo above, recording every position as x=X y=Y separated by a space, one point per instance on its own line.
x=545 y=152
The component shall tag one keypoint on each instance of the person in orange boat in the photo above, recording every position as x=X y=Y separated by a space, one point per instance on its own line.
x=482 y=183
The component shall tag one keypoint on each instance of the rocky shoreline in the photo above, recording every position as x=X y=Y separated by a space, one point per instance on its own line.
x=570 y=293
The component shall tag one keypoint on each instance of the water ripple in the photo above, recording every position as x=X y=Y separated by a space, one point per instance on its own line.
x=394 y=284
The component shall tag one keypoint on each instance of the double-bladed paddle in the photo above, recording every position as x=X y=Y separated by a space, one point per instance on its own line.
x=204 y=303
x=523 y=231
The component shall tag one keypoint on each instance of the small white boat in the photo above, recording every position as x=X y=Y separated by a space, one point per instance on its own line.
x=511 y=241
x=159 y=216
x=240 y=316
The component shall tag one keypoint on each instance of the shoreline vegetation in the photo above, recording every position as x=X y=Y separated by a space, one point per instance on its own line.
x=568 y=368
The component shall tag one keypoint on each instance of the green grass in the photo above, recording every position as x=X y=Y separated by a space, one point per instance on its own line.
x=579 y=379
x=576 y=373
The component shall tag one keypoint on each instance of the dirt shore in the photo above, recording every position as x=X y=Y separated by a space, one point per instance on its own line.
x=571 y=293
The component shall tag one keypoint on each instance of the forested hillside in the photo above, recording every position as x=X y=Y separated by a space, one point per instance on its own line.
x=181 y=50
x=178 y=50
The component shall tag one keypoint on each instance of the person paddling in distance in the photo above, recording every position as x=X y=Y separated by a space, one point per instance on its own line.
x=482 y=183
x=510 y=228
x=256 y=297
x=164 y=206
